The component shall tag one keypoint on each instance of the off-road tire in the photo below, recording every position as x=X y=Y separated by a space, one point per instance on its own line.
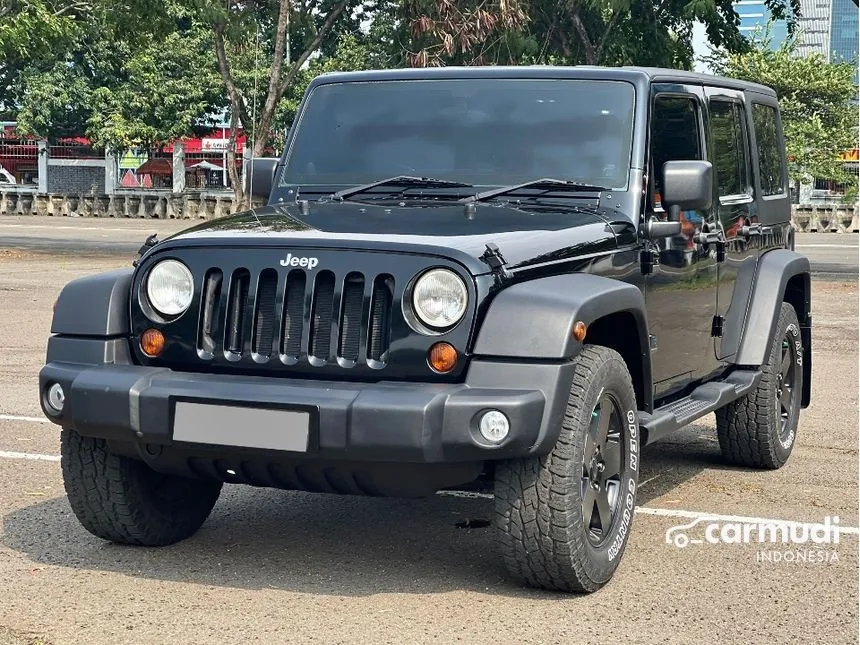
x=750 y=429
x=539 y=520
x=122 y=500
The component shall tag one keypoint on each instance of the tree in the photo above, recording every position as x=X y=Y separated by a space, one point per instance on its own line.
x=466 y=32
x=255 y=43
x=570 y=32
x=31 y=29
x=815 y=100
x=354 y=53
x=134 y=78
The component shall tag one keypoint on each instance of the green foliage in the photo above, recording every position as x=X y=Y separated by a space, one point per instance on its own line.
x=815 y=100
x=119 y=79
x=31 y=29
x=571 y=32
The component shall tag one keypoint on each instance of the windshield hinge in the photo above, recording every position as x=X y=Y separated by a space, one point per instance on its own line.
x=717 y=327
x=494 y=259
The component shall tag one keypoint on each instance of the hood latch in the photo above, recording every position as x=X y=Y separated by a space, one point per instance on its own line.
x=494 y=259
x=151 y=241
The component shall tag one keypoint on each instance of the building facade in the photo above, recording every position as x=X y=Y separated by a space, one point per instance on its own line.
x=829 y=28
x=755 y=18
x=813 y=26
x=844 y=37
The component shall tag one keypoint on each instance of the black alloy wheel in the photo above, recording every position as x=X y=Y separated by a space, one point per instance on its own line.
x=601 y=470
x=787 y=391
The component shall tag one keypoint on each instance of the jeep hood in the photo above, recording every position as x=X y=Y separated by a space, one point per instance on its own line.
x=527 y=235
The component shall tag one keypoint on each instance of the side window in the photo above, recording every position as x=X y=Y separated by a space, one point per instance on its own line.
x=730 y=149
x=674 y=136
x=770 y=160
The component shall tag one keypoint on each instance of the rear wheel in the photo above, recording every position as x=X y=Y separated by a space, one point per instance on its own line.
x=123 y=500
x=760 y=429
x=562 y=520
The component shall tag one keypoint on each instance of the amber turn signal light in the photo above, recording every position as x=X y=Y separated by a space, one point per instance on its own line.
x=442 y=357
x=579 y=330
x=152 y=342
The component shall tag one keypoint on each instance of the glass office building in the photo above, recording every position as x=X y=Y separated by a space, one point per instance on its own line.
x=844 y=37
x=755 y=16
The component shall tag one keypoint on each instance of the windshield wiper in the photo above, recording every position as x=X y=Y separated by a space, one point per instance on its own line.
x=401 y=181
x=546 y=185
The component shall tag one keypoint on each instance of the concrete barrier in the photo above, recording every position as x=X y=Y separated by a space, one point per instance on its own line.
x=138 y=204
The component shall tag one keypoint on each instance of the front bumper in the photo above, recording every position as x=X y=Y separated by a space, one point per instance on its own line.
x=397 y=422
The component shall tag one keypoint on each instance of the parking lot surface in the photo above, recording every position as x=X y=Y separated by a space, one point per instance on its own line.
x=273 y=566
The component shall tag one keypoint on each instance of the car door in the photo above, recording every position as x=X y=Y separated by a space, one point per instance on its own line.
x=681 y=287
x=729 y=151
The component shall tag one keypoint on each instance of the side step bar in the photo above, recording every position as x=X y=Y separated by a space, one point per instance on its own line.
x=704 y=399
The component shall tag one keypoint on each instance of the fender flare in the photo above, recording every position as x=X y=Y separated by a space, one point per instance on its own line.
x=533 y=320
x=776 y=270
x=96 y=305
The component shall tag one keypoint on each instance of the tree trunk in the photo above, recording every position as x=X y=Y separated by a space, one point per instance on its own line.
x=234 y=174
x=281 y=75
x=593 y=51
x=590 y=51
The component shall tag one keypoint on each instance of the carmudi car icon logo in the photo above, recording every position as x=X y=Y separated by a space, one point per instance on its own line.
x=678 y=536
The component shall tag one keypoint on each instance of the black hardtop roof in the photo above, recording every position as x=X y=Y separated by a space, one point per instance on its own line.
x=634 y=75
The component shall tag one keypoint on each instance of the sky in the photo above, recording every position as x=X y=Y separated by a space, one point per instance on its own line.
x=700 y=47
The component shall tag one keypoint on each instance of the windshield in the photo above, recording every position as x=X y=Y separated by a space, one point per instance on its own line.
x=485 y=132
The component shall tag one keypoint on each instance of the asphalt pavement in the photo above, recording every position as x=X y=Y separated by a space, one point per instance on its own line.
x=283 y=567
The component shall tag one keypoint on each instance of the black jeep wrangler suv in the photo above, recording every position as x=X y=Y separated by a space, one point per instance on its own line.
x=519 y=275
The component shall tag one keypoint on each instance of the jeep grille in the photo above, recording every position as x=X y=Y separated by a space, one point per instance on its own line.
x=297 y=316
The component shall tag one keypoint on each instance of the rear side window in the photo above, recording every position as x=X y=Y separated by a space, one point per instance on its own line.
x=770 y=161
x=730 y=150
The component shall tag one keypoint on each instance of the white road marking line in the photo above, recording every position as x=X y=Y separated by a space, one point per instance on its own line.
x=674 y=512
x=827 y=246
x=18 y=417
x=33 y=456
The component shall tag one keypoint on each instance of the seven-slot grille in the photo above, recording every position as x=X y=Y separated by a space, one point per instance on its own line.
x=317 y=317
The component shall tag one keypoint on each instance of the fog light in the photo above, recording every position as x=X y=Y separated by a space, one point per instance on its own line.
x=494 y=426
x=152 y=342
x=56 y=398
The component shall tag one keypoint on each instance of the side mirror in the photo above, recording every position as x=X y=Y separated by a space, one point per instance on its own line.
x=687 y=185
x=260 y=176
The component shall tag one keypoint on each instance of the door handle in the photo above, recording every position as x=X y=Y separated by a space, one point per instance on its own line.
x=711 y=237
x=750 y=229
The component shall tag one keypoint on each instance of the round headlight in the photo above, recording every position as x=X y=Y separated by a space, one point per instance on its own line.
x=170 y=287
x=439 y=298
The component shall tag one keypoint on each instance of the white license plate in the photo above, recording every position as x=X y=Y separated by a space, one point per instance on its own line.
x=227 y=425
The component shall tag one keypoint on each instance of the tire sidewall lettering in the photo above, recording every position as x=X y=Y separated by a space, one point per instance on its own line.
x=798 y=344
x=629 y=500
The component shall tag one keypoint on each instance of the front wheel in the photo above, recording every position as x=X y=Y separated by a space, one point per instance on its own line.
x=563 y=519
x=123 y=500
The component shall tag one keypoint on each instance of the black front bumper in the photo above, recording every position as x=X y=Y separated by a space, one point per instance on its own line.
x=395 y=422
